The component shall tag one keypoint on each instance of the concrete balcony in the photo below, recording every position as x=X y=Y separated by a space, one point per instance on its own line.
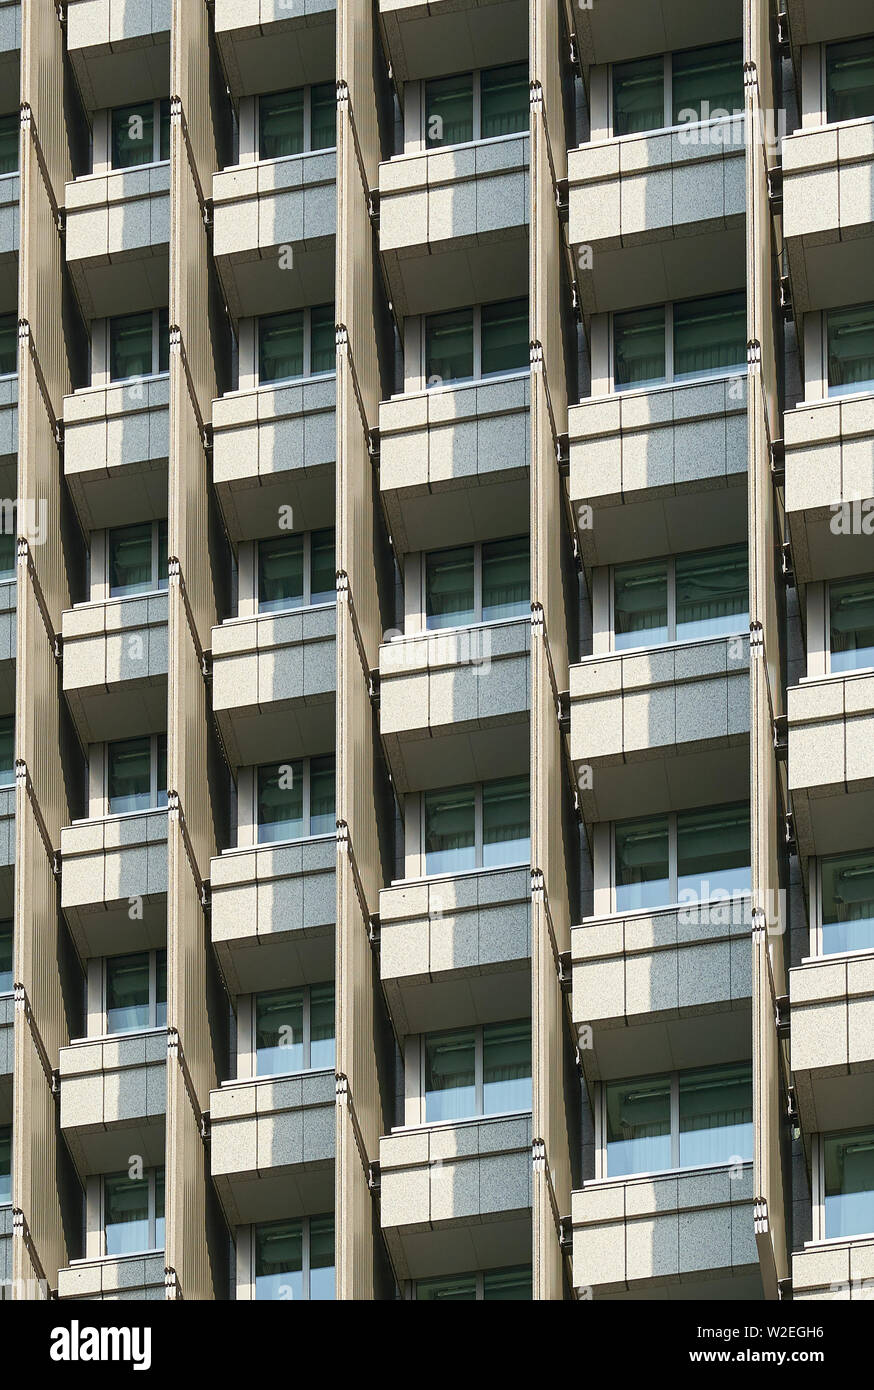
x=832 y=1041
x=272 y=447
x=683 y=1235
x=828 y=212
x=841 y=1271
x=272 y=1146
x=116 y=446
x=114 y=1278
x=9 y=432
x=456 y=1196
x=118 y=236
x=637 y=200
x=456 y=949
x=114 y=882
x=120 y=51
x=429 y=40
x=829 y=460
x=831 y=762
x=115 y=666
x=455 y=462
x=671 y=985
x=453 y=224
x=274 y=679
x=452 y=700
x=114 y=1100
x=646 y=721
x=273 y=45
x=657 y=465
x=7 y=851
x=817 y=21
x=639 y=29
x=259 y=209
x=273 y=914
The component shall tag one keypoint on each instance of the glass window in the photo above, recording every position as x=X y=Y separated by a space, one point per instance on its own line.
x=712 y=593
x=295 y=1259
x=713 y=852
x=133 y=1212
x=477 y=826
x=8 y=344
x=323 y=819
x=281 y=124
x=6 y=939
x=640 y=605
x=682 y=1120
x=280 y=346
x=137 y=558
x=449 y=110
x=164 y=131
x=851 y=624
x=504 y=337
x=499 y=569
x=130 y=346
x=642 y=863
x=848 y=1161
x=296 y=798
x=504 y=100
x=136 y=991
x=716 y=1116
x=322 y=1026
x=280 y=573
x=132 y=135
x=494 y=1285
x=137 y=774
x=850 y=335
x=449 y=587
x=506 y=1067
x=638 y=96
x=323 y=573
x=7 y=750
x=449 y=347
x=710 y=335
x=507 y=1285
x=5 y=1164
x=506 y=582
x=847 y=902
x=707 y=80
x=9 y=128
x=478 y=1071
x=460 y=1288
x=849 y=79
x=506 y=822
x=323 y=107
x=450 y=1075
x=8 y=549
x=450 y=830
x=323 y=339
x=294 y=1029
x=639 y=348
x=638 y=1126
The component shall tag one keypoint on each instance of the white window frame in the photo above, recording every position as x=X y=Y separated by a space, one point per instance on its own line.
x=156 y=349
x=669 y=379
x=246 y=1245
x=827 y=622
x=816 y=923
x=477 y=832
x=477 y=138
x=306 y=812
x=153 y=776
x=153 y=995
x=307 y=1031
x=479 y=1083
x=476 y=310
x=823 y=80
x=477 y=586
x=667 y=92
x=673 y=859
x=826 y=387
x=307 y=89
x=157 y=587
x=307 y=600
x=156 y=137
x=671 y=639
x=308 y=374
x=149 y=1176
x=818 y=1191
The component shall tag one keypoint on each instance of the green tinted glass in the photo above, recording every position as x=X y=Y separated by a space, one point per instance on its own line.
x=506 y=582
x=280 y=124
x=5 y=1164
x=504 y=337
x=323 y=107
x=507 y=1285
x=9 y=128
x=460 y=1288
x=5 y=957
x=707 y=81
x=449 y=347
x=323 y=566
x=8 y=549
x=8 y=344
x=449 y=110
x=132 y=135
x=504 y=100
x=849 y=80
x=849 y=1184
x=279 y=1039
x=322 y=1024
x=280 y=346
x=851 y=623
x=280 y=801
x=7 y=750
x=130 y=559
x=450 y=1075
x=716 y=1116
x=127 y=992
x=847 y=902
x=450 y=818
x=639 y=348
x=710 y=335
x=642 y=867
x=323 y=350
x=164 y=134
x=130 y=346
x=850 y=349
x=640 y=605
x=130 y=775
x=638 y=96
x=280 y=573
x=713 y=852
x=126 y=1214
x=506 y=822
x=449 y=587
x=323 y=814
x=638 y=1126
x=712 y=593
x=506 y=1067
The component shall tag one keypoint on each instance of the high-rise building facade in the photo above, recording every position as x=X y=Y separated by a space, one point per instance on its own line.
x=436 y=649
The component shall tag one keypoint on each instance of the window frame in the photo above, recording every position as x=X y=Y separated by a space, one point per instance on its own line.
x=442 y=384
x=672 y=639
x=478 y=844
x=307 y=89
x=149 y=1175
x=10 y=924
x=7 y=376
x=306 y=1254
x=306 y=800
x=308 y=374
x=667 y=92
x=307 y=599
x=838 y=394
x=153 y=777
x=478 y=1275
x=478 y=1030
x=157 y=369
x=827 y=623
x=3 y=719
x=670 y=379
x=824 y=45
x=158 y=587
x=477 y=138
x=673 y=861
x=7 y=1129
x=816 y=915
x=306 y=1033
x=478 y=620
x=153 y=1025
x=156 y=103
x=818 y=1188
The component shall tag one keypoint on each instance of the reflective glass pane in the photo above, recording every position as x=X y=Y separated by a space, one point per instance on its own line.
x=130 y=775
x=7 y=554
x=280 y=573
x=279 y=1260
x=449 y=110
x=506 y=1067
x=6 y=958
x=280 y=346
x=130 y=346
x=639 y=348
x=506 y=579
x=457 y=1288
x=9 y=129
x=162 y=554
x=127 y=992
x=5 y=1164
x=850 y=349
x=507 y=1285
x=279 y=1041
x=323 y=339
x=504 y=100
x=130 y=560
x=161 y=989
x=849 y=79
x=280 y=801
x=708 y=82
x=710 y=335
x=321 y=1257
x=159 y=1208
x=7 y=750
x=133 y=135
x=126 y=1214
x=450 y=817
x=847 y=902
x=506 y=822
x=164 y=137
x=712 y=593
x=713 y=852
x=851 y=621
x=323 y=108
x=8 y=344
x=280 y=124
x=504 y=337
x=323 y=815
x=640 y=605
x=449 y=587
x=163 y=340
x=449 y=347
x=638 y=1126
x=450 y=1076
x=716 y=1116
x=321 y=1026
x=161 y=777
x=642 y=864
x=638 y=96
x=323 y=567
x=849 y=1184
